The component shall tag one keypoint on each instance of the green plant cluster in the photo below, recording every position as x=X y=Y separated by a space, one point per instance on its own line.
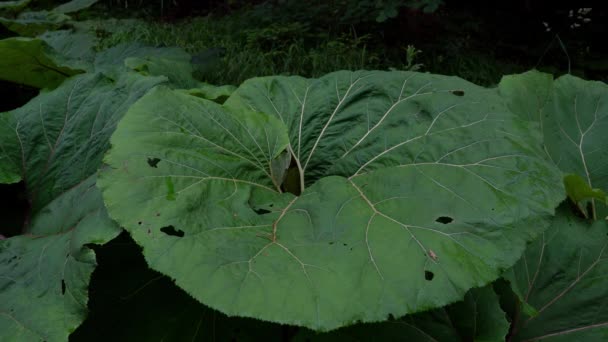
x=355 y=205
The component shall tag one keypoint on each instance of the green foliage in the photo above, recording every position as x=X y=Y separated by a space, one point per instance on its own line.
x=396 y=198
x=361 y=223
x=32 y=62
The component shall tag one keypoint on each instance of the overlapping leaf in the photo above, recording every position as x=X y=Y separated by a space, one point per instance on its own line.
x=55 y=143
x=477 y=318
x=32 y=62
x=414 y=188
x=45 y=274
x=33 y=23
x=563 y=276
x=573 y=117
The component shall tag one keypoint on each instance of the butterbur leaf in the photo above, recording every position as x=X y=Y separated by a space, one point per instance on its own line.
x=406 y=195
x=55 y=143
x=148 y=61
x=32 y=62
x=74 y=49
x=12 y=7
x=59 y=137
x=576 y=120
x=45 y=274
x=572 y=114
x=74 y=6
x=477 y=318
x=562 y=276
x=31 y=24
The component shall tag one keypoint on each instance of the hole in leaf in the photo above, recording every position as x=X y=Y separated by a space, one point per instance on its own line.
x=291 y=183
x=428 y=275
x=458 y=92
x=444 y=219
x=153 y=162
x=345 y=244
x=139 y=222
x=62 y=286
x=261 y=211
x=14 y=209
x=171 y=231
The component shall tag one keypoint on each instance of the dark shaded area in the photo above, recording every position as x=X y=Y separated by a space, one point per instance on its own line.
x=428 y=275
x=291 y=183
x=261 y=211
x=153 y=162
x=130 y=302
x=14 y=208
x=444 y=219
x=171 y=231
x=15 y=95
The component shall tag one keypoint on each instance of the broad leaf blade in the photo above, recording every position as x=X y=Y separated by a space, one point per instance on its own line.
x=573 y=117
x=74 y=49
x=62 y=134
x=12 y=7
x=33 y=63
x=562 y=276
x=45 y=275
x=74 y=6
x=417 y=188
x=477 y=318
x=57 y=141
x=575 y=131
x=31 y=24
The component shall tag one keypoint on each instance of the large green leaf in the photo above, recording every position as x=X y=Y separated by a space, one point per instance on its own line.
x=32 y=62
x=44 y=276
x=175 y=65
x=73 y=48
x=60 y=136
x=573 y=117
x=563 y=276
x=477 y=318
x=171 y=62
x=74 y=6
x=12 y=7
x=414 y=189
x=55 y=143
x=30 y=24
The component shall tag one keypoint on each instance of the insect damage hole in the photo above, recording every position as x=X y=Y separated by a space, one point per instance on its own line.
x=428 y=275
x=457 y=92
x=153 y=162
x=62 y=286
x=171 y=231
x=261 y=211
x=444 y=219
